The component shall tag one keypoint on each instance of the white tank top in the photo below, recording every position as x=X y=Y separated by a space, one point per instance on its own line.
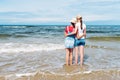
x=80 y=31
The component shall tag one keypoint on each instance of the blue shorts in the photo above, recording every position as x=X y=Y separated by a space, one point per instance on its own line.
x=69 y=42
x=79 y=42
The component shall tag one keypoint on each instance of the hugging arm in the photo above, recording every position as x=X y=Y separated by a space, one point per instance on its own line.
x=74 y=32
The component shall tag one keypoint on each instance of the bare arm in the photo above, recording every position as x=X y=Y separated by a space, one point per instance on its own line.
x=65 y=34
x=84 y=33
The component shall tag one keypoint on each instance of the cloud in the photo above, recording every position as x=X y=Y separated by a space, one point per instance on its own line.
x=97 y=17
x=97 y=10
x=58 y=10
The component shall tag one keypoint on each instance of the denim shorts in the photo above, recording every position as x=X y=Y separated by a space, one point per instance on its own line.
x=79 y=42
x=69 y=42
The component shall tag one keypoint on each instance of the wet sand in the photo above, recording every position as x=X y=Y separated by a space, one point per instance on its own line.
x=85 y=75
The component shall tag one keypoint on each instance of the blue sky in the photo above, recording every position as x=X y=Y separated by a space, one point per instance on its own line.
x=59 y=11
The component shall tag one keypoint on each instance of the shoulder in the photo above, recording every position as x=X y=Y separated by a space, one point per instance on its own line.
x=66 y=28
x=77 y=23
x=84 y=25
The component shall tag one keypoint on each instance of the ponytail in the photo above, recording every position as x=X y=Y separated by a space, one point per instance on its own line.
x=79 y=19
x=81 y=24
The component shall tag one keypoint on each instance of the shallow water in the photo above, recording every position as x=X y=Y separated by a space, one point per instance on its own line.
x=100 y=62
x=40 y=55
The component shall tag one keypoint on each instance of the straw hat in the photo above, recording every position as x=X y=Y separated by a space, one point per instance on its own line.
x=78 y=16
x=73 y=20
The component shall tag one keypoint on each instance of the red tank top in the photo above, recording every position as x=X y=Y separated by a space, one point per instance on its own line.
x=69 y=29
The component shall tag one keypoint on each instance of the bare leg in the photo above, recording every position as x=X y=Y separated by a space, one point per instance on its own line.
x=76 y=55
x=71 y=56
x=67 y=57
x=81 y=55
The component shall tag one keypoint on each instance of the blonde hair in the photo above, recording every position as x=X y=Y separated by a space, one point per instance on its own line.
x=80 y=18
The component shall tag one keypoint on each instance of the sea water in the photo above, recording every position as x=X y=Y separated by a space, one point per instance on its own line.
x=37 y=52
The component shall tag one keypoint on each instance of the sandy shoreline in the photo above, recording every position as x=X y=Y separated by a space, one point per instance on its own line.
x=94 y=75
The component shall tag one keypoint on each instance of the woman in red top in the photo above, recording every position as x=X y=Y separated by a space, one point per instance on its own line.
x=69 y=42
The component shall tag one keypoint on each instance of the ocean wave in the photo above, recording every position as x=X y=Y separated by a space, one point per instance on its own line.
x=25 y=32
x=13 y=26
x=32 y=47
x=2 y=36
x=94 y=31
x=87 y=75
x=102 y=31
x=20 y=35
x=105 y=38
x=24 y=47
x=5 y=35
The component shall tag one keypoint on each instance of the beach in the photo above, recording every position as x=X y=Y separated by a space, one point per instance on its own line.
x=37 y=52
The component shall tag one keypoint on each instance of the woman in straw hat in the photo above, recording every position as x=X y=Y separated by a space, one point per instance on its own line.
x=69 y=42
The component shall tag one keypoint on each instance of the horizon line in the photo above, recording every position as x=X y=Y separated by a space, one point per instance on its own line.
x=47 y=24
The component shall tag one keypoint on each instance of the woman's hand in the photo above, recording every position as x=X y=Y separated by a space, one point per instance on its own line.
x=79 y=36
x=65 y=34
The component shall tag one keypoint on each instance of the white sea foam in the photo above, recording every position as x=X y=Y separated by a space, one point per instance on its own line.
x=23 y=47
x=50 y=73
x=17 y=27
x=45 y=76
x=25 y=74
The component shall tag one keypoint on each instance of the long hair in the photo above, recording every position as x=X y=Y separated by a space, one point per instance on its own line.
x=81 y=23
x=73 y=24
